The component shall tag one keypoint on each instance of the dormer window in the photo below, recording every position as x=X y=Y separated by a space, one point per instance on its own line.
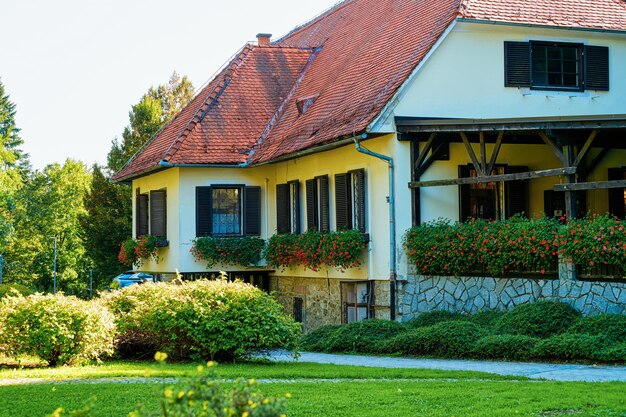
x=303 y=103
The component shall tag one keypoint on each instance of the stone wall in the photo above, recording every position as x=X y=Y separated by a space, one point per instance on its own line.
x=420 y=294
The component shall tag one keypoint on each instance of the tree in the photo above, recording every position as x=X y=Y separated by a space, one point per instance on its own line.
x=158 y=106
x=105 y=225
x=49 y=206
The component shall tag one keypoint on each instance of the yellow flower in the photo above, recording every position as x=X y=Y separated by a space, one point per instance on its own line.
x=168 y=393
x=160 y=356
x=288 y=395
x=252 y=381
x=266 y=401
x=181 y=394
x=58 y=412
x=245 y=414
x=210 y=364
x=54 y=389
x=200 y=368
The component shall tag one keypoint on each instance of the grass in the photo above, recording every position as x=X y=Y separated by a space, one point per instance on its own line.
x=430 y=393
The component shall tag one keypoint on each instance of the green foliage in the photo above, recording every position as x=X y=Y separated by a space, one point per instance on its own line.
x=105 y=223
x=313 y=249
x=433 y=317
x=568 y=346
x=361 y=336
x=245 y=250
x=450 y=339
x=317 y=340
x=539 y=319
x=50 y=205
x=613 y=353
x=511 y=347
x=595 y=240
x=611 y=326
x=13 y=289
x=58 y=329
x=136 y=251
x=497 y=247
x=201 y=319
x=486 y=318
x=153 y=111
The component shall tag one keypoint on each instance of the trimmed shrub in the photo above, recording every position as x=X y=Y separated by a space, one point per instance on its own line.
x=433 y=317
x=615 y=353
x=612 y=326
x=486 y=318
x=570 y=347
x=201 y=319
x=317 y=340
x=539 y=319
x=58 y=329
x=448 y=339
x=12 y=289
x=362 y=336
x=512 y=347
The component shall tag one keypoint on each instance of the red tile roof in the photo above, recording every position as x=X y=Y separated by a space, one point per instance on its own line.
x=599 y=14
x=348 y=62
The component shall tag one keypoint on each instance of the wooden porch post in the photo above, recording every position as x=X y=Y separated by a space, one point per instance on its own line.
x=570 y=197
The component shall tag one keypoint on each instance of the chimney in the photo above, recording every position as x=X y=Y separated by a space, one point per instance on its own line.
x=263 y=39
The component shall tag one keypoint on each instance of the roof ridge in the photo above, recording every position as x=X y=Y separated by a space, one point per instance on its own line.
x=332 y=9
x=209 y=101
x=281 y=108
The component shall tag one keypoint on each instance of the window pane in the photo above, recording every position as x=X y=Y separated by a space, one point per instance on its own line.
x=570 y=80
x=555 y=65
x=570 y=53
x=570 y=66
x=554 y=52
x=226 y=211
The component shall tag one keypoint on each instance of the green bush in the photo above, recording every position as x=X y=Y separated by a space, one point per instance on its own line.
x=486 y=318
x=539 y=319
x=512 y=347
x=614 y=353
x=612 y=326
x=362 y=336
x=451 y=339
x=57 y=328
x=570 y=347
x=244 y=250
x=201 y=319
x=11 y=289
x=433 y=317
x=317 y=340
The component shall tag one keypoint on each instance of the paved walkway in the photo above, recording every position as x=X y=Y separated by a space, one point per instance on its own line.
x=557 y=372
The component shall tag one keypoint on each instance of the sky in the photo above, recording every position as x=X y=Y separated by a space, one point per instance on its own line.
x=74 y=68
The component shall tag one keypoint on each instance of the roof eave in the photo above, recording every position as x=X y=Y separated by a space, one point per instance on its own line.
x=534 y=25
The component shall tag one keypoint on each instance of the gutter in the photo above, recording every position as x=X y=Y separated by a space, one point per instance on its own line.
x=392 y=222
x=536 y=25
x=166 y=164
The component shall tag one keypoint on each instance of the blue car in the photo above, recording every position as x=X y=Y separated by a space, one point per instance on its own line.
x=129 y=278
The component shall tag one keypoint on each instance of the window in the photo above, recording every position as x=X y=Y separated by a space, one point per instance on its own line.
x=350 y=200
x=556 y=66
x=357 y=300
x=158 y=213
x=298 y=309
x=288 y=207
x=228 y=210
x=617 y=196
x=492 y=200
x=317 y=215
x=141 y=214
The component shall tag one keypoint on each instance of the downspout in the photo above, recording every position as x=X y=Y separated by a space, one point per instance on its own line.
x=392 y=222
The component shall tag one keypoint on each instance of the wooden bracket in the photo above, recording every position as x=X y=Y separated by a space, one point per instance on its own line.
x=472 y=155
x=552 y=145
x=585 y=148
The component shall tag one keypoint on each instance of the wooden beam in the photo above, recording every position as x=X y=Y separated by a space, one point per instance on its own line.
x=495 y=178
x=424 y=153
x=586 y=146
x=555 y=149
x=483 y=153
x=472 y=155
x=594 y=163
x=495 y=152
x=599 y=185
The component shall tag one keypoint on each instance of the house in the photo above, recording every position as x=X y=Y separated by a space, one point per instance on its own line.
x=381 y=114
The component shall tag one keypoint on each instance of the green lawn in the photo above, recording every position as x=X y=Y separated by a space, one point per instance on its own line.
x=429 y=393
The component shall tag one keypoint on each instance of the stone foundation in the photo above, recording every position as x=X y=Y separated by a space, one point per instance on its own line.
x=420 y=294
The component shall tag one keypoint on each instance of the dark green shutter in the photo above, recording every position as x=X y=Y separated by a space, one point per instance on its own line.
x=596 y=68
x=616 y=195
x=342 y=202
x=311 y=204
x=360 y=203
x=464 y=195
x=516 y=193
x=517 y=64
x=252 y=211
x=141 y=214
x=158 y=213
x=204 y=208
x=282 y=208
x=324 y=204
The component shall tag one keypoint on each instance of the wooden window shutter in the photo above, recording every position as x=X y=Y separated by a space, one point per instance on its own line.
x=596 y=68
x=517 y=64
x=311 y=204
x=464 y=195
x=616 y=195
x=141 y=213
x=324 y=216
x=516 y=193
x=360 y=203
x=252 y=211
x=282 y=208
x=343 y=202
x=158 y=213
x=204 y=208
